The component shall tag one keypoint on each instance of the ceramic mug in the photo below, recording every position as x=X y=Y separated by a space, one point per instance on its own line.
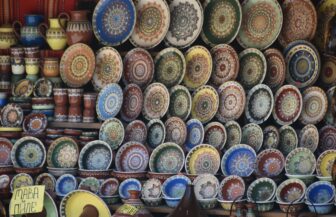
x=18 y=65
x=32 y=52
x=5 y=64
x=32 y=65
x=50 y=67
x=17 y=52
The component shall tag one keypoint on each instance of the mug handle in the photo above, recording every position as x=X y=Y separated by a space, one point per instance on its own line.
x=16 y=32
x=66 y=16
x=42 y=28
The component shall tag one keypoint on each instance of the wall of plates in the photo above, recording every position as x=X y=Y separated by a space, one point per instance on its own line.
x=236 y=98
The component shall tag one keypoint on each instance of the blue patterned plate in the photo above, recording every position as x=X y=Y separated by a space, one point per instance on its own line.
x=239 y=160
x=156 y=133
x=96 y=155
x=195 y=134
x=174 y=187
x=128 y=184
x=65 y=184
x=320 y=192
x=113 y=21
x=109 y=101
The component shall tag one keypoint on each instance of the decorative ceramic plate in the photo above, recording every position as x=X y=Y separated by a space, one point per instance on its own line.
x=35 y=123
x=4 y=181
x=300 y=21
x=328 y=70
x=234 y=134
x=262 y=23
x=170 y=67
x=77 y=65
x=300 y=161
x=202 y=159
x=215 y=135
x=270 y=163
x=109 y=68
x=287 y=105
x=291 y=190
x=327 y=136
x=109 y=101
x=325 y=162
x=112 y=131
x=136 y=131
x=11 y=115
x=199 y=67
x=204 y=103
x=206 y=186
x=253 y=67
x=132 y=157
x=232 y=101
x=5 y=151
x=128 y=184
x=231 y=188
x=320 y=192
x=271 y=137
x=43 y=88
x=21 y=180
x=96 y=155
x=152 y=23
x=262 y=189
x=113 y=21
x=252 y=135
x=175 y=186
x=65 y=184
x=186 y=21
x=28 y=152
x=309 y=137
x=303 y=63
x=288 y=139
x=176 y=131
x=180 y=102
x=151 y=188
x=132 y=102
x=63 y=153
x=259 y=104
x=47 y=180
x=195 y=134
x=239 y=160
x=109 y=187
x=276 y=68
x=167 y=158
x=23 y=88
x=50 y=206
x=315 y=105
x=225 y=64
x=138 y=67
x=90 y=184
x=156 y=133
x=223 y=21
x=156 y=101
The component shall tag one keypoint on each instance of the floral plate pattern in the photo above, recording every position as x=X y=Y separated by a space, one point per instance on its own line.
x=112 y=131
x=327 y=136
x=180 y=102
x=276 y=68
x=176 y=131
x=11 y=115
x=156 y=133
x=231 y=188
x=215 y=135
x=109 y=101
x=324 y=163
x=206 y=186
x=195 y=133
x=271 y=137
x=234 y=133
x=309 y=137
x=252 y=135
x=132 y=103
x=288 y=139
x=300 y=161
x=21 y=180
x=5 y=151
x=151 y=188
x=63 y=153
x=269 y=163
x=136 y=131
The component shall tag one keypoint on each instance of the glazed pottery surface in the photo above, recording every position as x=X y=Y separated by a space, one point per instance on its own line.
x=7 y=37
x=55 y=34
x=29 y=34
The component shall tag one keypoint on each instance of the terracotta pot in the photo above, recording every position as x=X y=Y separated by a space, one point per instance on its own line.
x=17 y=52
x=5 y=64
x=89 y=112
x=89 y=211
x=32 y=52
x=60 y=96
x=61 y=113
x=51 y=67
x=75 y=101
x=54 y=34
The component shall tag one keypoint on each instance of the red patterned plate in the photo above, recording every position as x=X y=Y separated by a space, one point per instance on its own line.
x=270 y=163
x=156 y=101
x=176 y=130
x=327 y=138
x=136 y=131
x=276 y=68
x=132 y=102
x=231 y=188
x=215 y=135
x=5 y=151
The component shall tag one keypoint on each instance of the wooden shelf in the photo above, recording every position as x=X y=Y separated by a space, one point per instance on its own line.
x=75 y=125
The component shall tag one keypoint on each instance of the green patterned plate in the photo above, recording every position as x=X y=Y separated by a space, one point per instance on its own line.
x=63 y=153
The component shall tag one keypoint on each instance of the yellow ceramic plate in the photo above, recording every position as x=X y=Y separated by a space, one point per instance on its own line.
x=10 y=129
x=325 y=162
x=21 y=180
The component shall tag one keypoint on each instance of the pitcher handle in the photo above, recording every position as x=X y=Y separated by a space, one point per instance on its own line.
x=66 y=16
x=42 y=28
x=16 y=32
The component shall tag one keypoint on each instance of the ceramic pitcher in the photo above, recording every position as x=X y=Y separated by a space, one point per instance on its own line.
x=7 y=37
x=29 y=34
x=55 y=34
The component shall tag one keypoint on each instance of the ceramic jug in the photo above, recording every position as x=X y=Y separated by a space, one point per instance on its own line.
x=7 y=37
x=79 y=28
x=55 y=34
x=29 y=34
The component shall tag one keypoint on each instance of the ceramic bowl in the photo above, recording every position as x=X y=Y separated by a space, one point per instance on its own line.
x=174 y=187
x=324 y=178
x=208 y=203
x=160 y=176
x=231 y=187
x=111 y=200
x=65 y=184
x=265 y=206
x=99 y=174
x=128 y=184
x=320 y=192
x=261 y=190
x=228 y=205
x=61 y=171
x=121 y=176
x=307 y=179
x=294 y=207
x=172 y=202
x=320 y=209
x=290 y=190
x=152 y=201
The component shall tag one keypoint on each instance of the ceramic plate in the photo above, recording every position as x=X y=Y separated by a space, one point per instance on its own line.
x=35 y=123
x=47 y=180
x=109 y=67
x=329 y=117
x=174 y=186
x=11 y=115
x=156 y=101
x=252 y=135
x=132 y=157
x=315 y=105
x=180 y=102
x=152 y=23
x=109 y=187
x=136 y=131
x=43 y=88
x=65 y=184
x=113 y=21
x=328 y=70
x=96 y=155
x=276 y=68
x=271 y=137
x=327 y=136
x=223 y=21
x=28 y=152
x=262 y=23
x=186 y=21
x=231 y=188
x=234 y=134
x=21 y=180
x=156 y=133
x=109 y=101
x=270 y=163
x=90 y=184
x=176 y=131
x=204 y=103
x=128 y=184
x=23 y=88
x=138 y=67
x=199 y=67
x=288 y=139
x=309 y=137
x=300 y=161
x=206 y=186
x=112 y=131
x=215 y=135
x=151 y=189
x=5 y=151
x=321 y=192
x=63 y=153
x=303 y=63
x=290 y=190
x=195 y=134
x=132 y=102
x=325 y=162
x=261 y=190
x=300 y=21
x=77 y=65
x=4 y=181
x=287 y=105
x=232 y=101
x=170 y=67
x=167 y=158
x=239 y=160
x=202 y=159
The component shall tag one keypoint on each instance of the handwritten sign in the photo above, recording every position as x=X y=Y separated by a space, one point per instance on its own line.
x=127 y=209
x=27 y=200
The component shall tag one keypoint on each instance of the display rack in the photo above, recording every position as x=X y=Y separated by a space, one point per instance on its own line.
x=75 y=125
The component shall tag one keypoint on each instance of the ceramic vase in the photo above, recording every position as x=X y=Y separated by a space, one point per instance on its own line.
x=7 y=37
x=61 y=104
x=29 y=34
x=50 y=67
x=55 y=34
x=75 y=105
x=89 y=112
x=5 y=64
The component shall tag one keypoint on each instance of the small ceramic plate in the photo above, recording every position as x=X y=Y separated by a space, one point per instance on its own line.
x=128 y=184
x=174 y=186
x=300 y=161
x=11 y=115
x=195 y=134
x=151 y=189
x=325 y=162
x=290 y=190
x=328 y=71
x=35 y=123
x=167 y=158
x=262 y=189
x=109 y=187
x=252 y=135
x=65 y=184
x=327 y=136
x=288 y=139
x=276 y=68
x=206 y=186
x=112 y=132
x=5 y=151
x=109 y=101
x=202 y=159
x=90 y=184
x=271 y=137
x=63 y=153
x=309 y=137
x=23 y=88
x=180 y=102
x=156 y=133
x=43 y=88
x=176 y=131
x=47 y=180
x=270 y=163
x=28 y=152
x=215 y=135
x=132 y=103
x=156 y=101
x=109 y=67
x=4 y=182
x=231 y=188
x=132 y=157
x=320 y=192
x=234 y=134
x=136 y=131
x=21 y=180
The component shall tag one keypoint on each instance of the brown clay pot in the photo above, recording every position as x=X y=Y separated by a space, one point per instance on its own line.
x=75 y=101
x=51 y=67
x=17 y=52
x=61 y=104
x=89 y=112
x=32 y=52
x=5 y=64
x=89 y=211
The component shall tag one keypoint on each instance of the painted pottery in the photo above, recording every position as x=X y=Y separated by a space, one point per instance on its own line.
x=5 y=151
x=252 y=135
x=21 y=180
x=156 y=133
x=132 y=102
x=271 y=137
x=134 y=201
x=151 y=189
x=43 y=88
x=35 y=123
x=47 y=180
x=231 y=188
x=127 y=185
x=61 y=102
x=75 y=102
x=17 y=65
x=328 y=73
x=136 y=131
x=309 y=137
x=175 y=186
x=290 y=190
x=320 y=192
x=65 y=184
x=11 y=115
x=327 y=136
x=276 y=68
x=176 y=131
x=32 y=65
x=23 y=88
x=112 y=132
x=109 y=101
x=300 y=161
x=262 y=189
x=7 y=37
x=195 y=134
x=63 y=153
x=91 y=184
x=156 y=101
x=288 y=139
x=206 y=186
x=55 y=34
x=180 y=102
x=89 y=113
x=29 y=34
x=50 y=67
x=215 y=135
x=5 y=64
x=234 y=133
x=32 y=52
x=109 y=187
x=269 y=163
x=325 y=163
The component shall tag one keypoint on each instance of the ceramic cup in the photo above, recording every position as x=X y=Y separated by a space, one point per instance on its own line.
x=50 y=67
x=18 y=65
x=32 y=52
x=32 y=65
x=61 y=104
x=5 y=64
x=17 y=52
x=75 y=101
x=89 y=107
